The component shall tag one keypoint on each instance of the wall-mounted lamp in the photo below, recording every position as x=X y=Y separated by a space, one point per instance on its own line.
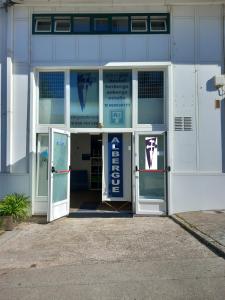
x=219 y=81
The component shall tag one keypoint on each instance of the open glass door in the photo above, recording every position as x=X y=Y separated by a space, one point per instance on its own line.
x=150 y=175
x=59 y=174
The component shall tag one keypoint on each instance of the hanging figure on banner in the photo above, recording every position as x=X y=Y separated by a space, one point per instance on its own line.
x=84 y=81
x=151 y=153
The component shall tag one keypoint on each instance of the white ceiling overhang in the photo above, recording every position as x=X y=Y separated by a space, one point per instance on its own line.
x=112 y=3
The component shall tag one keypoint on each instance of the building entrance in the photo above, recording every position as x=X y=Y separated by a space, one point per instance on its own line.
x=86 y=172
x=91 y=189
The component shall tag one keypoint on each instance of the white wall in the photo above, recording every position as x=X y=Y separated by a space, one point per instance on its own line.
x=2 y=90
x=197 y=39
x=10 y=183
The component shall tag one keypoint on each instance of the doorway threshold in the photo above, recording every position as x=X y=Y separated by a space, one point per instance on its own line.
x=87 y=213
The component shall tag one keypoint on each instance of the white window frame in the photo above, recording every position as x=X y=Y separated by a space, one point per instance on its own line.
x=62 y=20
x=45 y=127
x=43 y=19
x=158 y=20
x=139 y=20
x=152 y=127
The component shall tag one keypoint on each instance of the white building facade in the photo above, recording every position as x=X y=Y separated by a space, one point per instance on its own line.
x=140 y=78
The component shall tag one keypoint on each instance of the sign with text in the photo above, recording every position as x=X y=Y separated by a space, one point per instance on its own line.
x=117 y=98
x=115 y=165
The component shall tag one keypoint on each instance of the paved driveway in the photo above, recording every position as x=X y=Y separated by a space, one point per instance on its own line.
x=110 y=258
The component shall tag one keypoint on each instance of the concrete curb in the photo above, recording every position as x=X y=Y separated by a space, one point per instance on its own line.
x=205 y=239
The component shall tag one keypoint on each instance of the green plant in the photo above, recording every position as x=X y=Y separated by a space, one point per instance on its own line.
x=15 y=205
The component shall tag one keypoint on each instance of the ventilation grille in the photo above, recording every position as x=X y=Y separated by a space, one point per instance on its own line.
x=183 y=124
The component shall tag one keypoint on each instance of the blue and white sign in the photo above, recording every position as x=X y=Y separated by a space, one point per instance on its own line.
x=115 y=165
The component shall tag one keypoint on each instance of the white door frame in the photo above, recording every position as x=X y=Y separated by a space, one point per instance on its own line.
x=61 y=208
x=136 y=176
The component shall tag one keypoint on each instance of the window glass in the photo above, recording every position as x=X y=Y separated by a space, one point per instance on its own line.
x=62 y=24
x=42 y=165
x=158 y=24
x=101 y=24
x=139 y=24
x=119 y=24
x=117 y=93
x=84 y=99
x=51 y=97
x=81 y=24
x=151 y=185
x=43 y=24
x=150 y=97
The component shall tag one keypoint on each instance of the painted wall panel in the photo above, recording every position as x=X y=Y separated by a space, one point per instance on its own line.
x=112 y=48
x=183 y=44
x=159 y=47
x=65 y=48
x=210 y=30
x=88 y=48
x=185 y=148
x=21 y=12
x=21 y=30
x=197 y=192
x=189 y=11
x=210 y=154
x=136 y=49
x=209 y=10
x=14 y=183
x=20 y=119
x=41 y=48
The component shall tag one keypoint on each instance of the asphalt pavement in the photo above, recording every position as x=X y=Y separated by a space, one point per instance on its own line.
x=108 y=258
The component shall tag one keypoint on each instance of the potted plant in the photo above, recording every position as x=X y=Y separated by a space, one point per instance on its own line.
x=14 y=207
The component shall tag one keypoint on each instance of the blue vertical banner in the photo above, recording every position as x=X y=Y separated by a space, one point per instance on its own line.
x=115 y=165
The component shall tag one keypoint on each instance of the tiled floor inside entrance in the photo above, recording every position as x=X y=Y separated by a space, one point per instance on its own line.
x=91 y=200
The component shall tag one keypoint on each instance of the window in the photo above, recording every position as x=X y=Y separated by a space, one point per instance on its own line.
x=130 y=23
x=62 y=24
x=81 y=24
x=101 y=24
x=51 y=97
x=117 y=93
x=151 y=97
x=43 y=24
x=158 y=24
x=139 y=24
x=119 y=24
x=84 y=99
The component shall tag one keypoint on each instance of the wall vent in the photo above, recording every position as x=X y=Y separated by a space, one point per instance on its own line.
x=178 y=124
x=183 y=123
x=187 y=123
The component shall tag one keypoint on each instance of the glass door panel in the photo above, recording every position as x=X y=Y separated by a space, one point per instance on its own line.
x=59 y=174
x=151 y=158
